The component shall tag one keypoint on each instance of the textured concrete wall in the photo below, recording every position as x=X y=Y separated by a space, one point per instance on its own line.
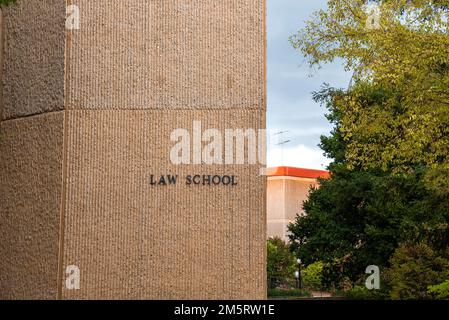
x=135 y=71
x=30 y=193
x=167 y=54
x=34 y=53
x=31 y=148
x=134 y=240
x=2 y=40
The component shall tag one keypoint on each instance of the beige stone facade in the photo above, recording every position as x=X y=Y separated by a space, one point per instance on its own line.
x=87 y=117
x=287 y=189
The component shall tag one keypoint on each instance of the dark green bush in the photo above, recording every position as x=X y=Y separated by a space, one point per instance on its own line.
x=281 y=262
x=6 y=2
x=415 y=267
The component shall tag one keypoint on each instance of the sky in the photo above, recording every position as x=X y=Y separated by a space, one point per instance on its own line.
x=290 y=85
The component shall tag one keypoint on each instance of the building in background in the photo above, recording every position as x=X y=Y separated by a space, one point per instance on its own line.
x=287 y=189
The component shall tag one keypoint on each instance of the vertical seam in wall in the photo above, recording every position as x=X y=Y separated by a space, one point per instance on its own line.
x=63 y=209
x=68 y=46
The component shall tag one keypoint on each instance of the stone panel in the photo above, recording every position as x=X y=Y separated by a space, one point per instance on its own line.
x=133 y=73
x=33 y=68
x=30 y=193
x=134 y=240
x=167 y=54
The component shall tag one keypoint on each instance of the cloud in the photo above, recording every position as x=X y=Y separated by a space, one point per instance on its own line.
x=298 y=156
x=290 y=104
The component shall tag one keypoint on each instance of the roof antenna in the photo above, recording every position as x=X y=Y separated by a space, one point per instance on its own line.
x=281 y=142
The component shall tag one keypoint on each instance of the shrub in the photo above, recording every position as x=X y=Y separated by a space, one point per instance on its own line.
x=440 y=291
x=414 y=268
x=281 y=262
x=312 y=276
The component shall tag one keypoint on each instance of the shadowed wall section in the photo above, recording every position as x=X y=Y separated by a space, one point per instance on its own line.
x=34 y=43
x=30 y=191
x=31 y=148
x=287 y=189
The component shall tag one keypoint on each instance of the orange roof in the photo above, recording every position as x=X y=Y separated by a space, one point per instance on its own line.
x=297 y=172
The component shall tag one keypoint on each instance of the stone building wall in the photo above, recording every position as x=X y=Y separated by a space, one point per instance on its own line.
x=87 y=118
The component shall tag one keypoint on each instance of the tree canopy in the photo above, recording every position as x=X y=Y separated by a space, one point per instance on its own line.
x=6 y=2
x=387 y=201
x=359 y=217
x=405 y=59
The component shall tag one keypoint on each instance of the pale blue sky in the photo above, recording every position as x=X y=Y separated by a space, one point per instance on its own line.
x=290 y=105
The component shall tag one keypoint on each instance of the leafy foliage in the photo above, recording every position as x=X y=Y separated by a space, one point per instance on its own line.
x=6 y=2
x=440 y=291
x=414 y=268
x=406 y=61
x=281 y=262
x=390 y=144
x=312 y=276
x=359 y=217
x=362 y=293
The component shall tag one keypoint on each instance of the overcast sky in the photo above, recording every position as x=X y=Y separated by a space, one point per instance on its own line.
x=290 y=105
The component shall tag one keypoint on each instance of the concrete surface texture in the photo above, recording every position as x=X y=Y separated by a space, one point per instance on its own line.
x=30 y=193
x=34 y=40
x=167 y=54
x=87 y=119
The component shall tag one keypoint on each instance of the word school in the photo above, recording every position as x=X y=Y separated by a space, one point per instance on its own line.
x=205 y=180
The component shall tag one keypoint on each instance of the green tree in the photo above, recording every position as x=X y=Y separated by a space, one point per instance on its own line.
x=359 y=217
x=6 y=2
x=407 y=57
x=391 y=138
x=281 y=262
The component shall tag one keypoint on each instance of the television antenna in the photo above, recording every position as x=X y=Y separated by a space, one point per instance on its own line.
x=282 y=142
